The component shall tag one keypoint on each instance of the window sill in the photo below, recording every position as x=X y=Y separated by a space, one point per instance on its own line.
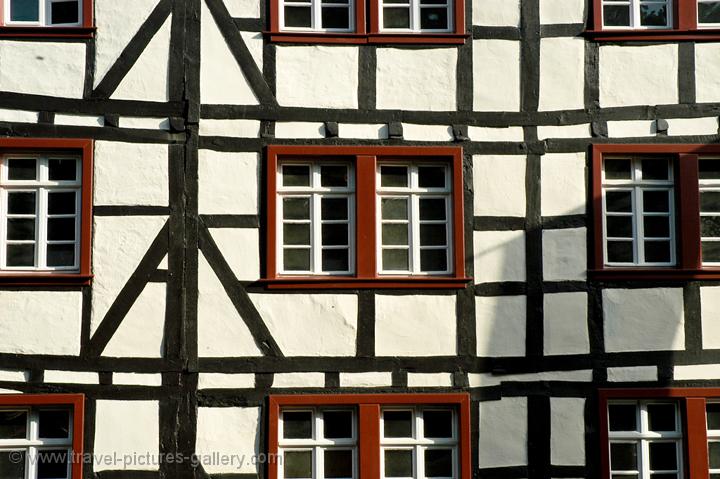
x=660 y=274
x=342 y=282
x=373 y=38
x=45 y=279
x=47 y=32
x=707 y=34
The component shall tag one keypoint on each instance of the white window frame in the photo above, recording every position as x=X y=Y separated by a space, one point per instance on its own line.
x=44 y=18
x=705 y=25
x=707 y=185
x=414 y=193
x=33 y=443
x=42 y=186
x=635 y=14
x=636 y=185
x=644 y=437
x=415 y=7
x=316 y=7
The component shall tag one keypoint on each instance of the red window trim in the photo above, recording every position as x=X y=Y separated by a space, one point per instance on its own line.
x=689 y=264
x=84 y=276
x=76 y=401
x=366 y=275
x=86 y=30
x=369 y=424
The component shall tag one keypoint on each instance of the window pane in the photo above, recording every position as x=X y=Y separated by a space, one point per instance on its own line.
x=623 y=417
x=431 y=176
x=338 y=463
x=62 y=170
x=396 y=18
x=656 y=201
x=661 y=417
x=616 y=15
x=65 y=12
x=710 y=201
x=432 y=209
x=711 y=251
x=12 y=464
x=298 y=234
x=629 y=476
x=333 y=175
x=395 y=234
x=21 y=169
x=714 y=455
x=298 y=464
x=623 y=456
x=22 y=229
x=709 y=168
x=433 y=18
x=296 y=208
x=437 y=423
x=399 y=463
x=336 y=17
x=653 y=15
x=620 y=251
x=13 y=424
x=710 y=225
x=395 y=259
x=334 y=208
x=663 y=456
x=657 y=226
x=296 y=175
x=654 y=169
x=618 y=201
x=337 y=424
x=397 y=423
x=297 y=425
x=335 y=260
x=438 y=462
x=396 y=208
x=297 y=17
x=617 y=169
x=334 y=234
x=433 y=260
x=713 y=416
x=709 y=13
x=393 y=176
x=24 y=10
x=62 y=203
x=433 y=235
x=619 y=226
x=61 y=255
x=21 y=255
x=53 y=464
x=61 y=229
x=657 y=251
x=21 y=203
x=296 y=259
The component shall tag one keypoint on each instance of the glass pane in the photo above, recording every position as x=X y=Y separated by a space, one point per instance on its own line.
x=438 y=462
x=13 y=424
x=296 y=208
x=393 y=176
x=24 y=10
x=664 y=475
x=21 y=203
x=653 y=15
x=336 y=17
x=617 y=169
x=334 y=208
x=338 y=463
x=396 y=18
x=710 y=226
x=334 y=234
x=62 y=170
x=335 y=260
x=710 y=201
x=297 y=464
x=437 y=423
x=433 y=235
x=396 y=208
x=333 y=175
x=623 y=417
x=711 y=251
x=618 y=201
x=616 y=15
x=714 y=455
x=399 y=463
x=433 y=260
x=656 y=226
x=654 y=169
x=397 y=423
x=297 y=424
x=713 y=416
x=620 y=251
x=709 y=168
x=337 y=424
x=12 y=464
x=21 y=169
x=624 y=476
x=61 y=229
x=657 y=251
x=395 y=234
x=296 y=233
x=53 y=464
x=623 y=456
x=434 y=18
x=61 y=255
x=395 y=259
x=65 y=12
x=20 y=255
x=714 y=476
x=661 y=417
x=619 y=226
x=431 y=176
x=432 y=209
x=296 y=259
x=656 y=201
x=663 y=456
x=21 y=229
x=62 y=203
x=296 y=175
x=297 y=17
x=709 y=13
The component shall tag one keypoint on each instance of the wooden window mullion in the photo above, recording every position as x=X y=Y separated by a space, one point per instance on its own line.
x=369 y=441
x=689 y=211
x=696 y=434
x=365 y=244
x=685 y=14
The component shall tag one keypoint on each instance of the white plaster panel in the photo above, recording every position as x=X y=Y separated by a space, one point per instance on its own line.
x=43 y=68
x=254 y=42
x=144 y=123
x=562 y=74
x=496 y=75
x=241 y=249
x=488 y=379
x=40 y=322
x=243 y=8
x=130 y=174
x=638 y=75
x=232 y=128
x=482 y=133
x=79 y=120
x=562 y=11
x=228 y=183
x=20 y=116
x=119 y=243
x=564 y=254
x=322 y=77
x=70 y=377
x=14 y=376
x=503 y=432
x=567 y=431
x=142 y=330
x=415 y=325
x=496 y=13
x=429 y=380
x=696 y=371
x=562 y=187
x=365 y=380
x=500 y=325
x=707 y=72
x=416 y=79
x=231 y=432
x=221 y=330
x=565 y=131
x=126 y=428
x=693 y=126
x=632 y=373
x=499 y=256
x=710 y=307
x=298 y=129
x=643 y=319
x=362 y=131
x=221 y=380
x=499 y=185
x=135 y=379
x=298 y=380
x=10 y=391
x=631 y=128
x=414 y=132
x=310 y=324
x=566 y=329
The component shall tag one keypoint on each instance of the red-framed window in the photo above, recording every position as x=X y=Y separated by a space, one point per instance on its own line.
x=656 y=211
x=368 y=436
x=655 y=19
x=45 y=211
x=46 y=18
x=374 y=21
x=349 y=217
x=41 y=435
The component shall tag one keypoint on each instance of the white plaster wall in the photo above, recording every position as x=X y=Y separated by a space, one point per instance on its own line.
x=298 y=380
x=416 y=79
x=562 y=11
x=243 y=8
x=228 y=183
x=710 y=307
x=231 y=431
x=142 y=330
x=499 y=256
x=363 y=131
x=567 y=431
x=643 y=319
x=299 y=129
x=631 y=128
x=566 y=329
x=638 y=75
x=500 y=325
x=503 y=432
x=365 y=380
x=79 y=120
x=429 y=380
x=565 y=131
x=43 y=68
x=414 y=132
x=254 y=42
x=707 y=72
x=482 y=133
x=693 y=126
x=40 y=322
x=562 y=187
x=564 y=254
x=499 y=185
x=130 y=173
x=125 y=428
x=14 y=376
x=632 y=373
x=496 y=13
x=70 y=377
x=496 y=75
x=241 y=249
x=562 y=74
x=489 y=379
x=232 y=128
x=323 y=77
x=310 y=324
x=221 y=380
x=20 y=116
x=415 y=325
x=144 y=123
x=696 y=372
x=135 y=379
